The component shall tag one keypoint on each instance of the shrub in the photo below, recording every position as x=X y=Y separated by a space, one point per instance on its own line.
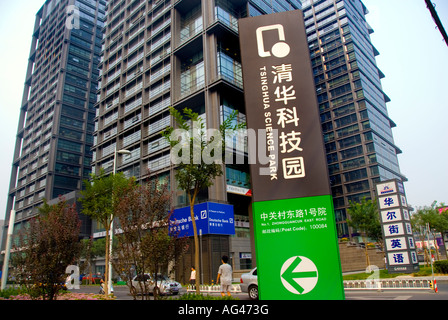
x=9 y=292
x=64 y=296
x=441 y=266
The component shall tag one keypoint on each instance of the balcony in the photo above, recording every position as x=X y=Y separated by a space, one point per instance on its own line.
x=156 y=90
x=191 y=24
x=160 y=163
x=134 y=89
x=135 y=60
x=159 y=125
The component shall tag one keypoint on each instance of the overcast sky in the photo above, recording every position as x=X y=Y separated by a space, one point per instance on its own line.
x=413 y=57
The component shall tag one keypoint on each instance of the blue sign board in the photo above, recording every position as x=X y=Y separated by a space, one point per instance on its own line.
x=210 y=217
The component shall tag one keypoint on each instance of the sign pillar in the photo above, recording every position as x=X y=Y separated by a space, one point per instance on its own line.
x=401 y=255
x=295 y=234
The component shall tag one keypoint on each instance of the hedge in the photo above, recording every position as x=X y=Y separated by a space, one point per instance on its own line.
x=441 y=266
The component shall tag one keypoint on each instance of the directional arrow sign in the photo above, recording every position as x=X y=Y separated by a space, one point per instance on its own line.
x=299 y=275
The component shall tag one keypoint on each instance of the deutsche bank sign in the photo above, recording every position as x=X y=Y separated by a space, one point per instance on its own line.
x=211 y=218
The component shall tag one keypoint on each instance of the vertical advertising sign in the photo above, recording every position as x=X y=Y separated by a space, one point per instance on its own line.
x=295 y=233
x=399 y=240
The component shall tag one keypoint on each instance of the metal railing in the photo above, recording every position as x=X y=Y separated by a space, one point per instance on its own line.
x=235 y=288
x=388 y=284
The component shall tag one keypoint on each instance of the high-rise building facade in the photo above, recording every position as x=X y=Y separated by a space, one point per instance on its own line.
x=55 y=133
x=356 y=126
x=180 y=53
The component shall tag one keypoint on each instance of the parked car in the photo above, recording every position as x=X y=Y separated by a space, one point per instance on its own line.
x=165 y=285
x=249 y=283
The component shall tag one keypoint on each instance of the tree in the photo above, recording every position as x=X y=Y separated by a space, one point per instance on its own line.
x=418 y=227
x=364 y=217
x=144 y=243
x=90 y=250
x=199 y=154
x=429 y=216
x=99 y=202
x=46 y=248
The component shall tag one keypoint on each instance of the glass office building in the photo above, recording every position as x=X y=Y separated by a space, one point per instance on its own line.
x=55 y=132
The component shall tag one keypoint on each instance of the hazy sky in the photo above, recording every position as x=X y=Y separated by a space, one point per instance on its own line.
x=413 y=57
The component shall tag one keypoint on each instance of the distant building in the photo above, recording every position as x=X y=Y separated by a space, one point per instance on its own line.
x=56 y=124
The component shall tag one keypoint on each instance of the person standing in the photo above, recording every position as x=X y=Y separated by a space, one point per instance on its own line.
x=225 y=274
x=193 y=277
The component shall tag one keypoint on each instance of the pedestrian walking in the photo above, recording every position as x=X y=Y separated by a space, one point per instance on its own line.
x=193 y=277
x=101 y=286
x=225 y=274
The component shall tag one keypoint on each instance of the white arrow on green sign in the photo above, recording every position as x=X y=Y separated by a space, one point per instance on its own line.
x=299 y=275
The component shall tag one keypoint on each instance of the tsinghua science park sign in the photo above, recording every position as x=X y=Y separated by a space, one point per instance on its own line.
x=295 y=234
x=399 y=240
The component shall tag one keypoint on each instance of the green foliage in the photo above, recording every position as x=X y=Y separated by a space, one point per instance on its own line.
x=98 y=198
x=90 y=250
x=195 y=296
x=8 y=292
x=384 y=274
x=93 y=248
x=99 y=201
x=429 y=215
x=441 y=266
x=193 y=172
x=364 y=217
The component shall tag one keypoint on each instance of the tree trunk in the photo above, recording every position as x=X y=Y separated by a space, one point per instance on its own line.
x=422 y=239
x=435 y=245
x=367 y=257
x=367 y=254
x=196 y=242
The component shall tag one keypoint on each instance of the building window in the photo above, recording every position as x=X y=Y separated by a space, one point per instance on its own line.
x=230 y=69
x=192 y=75
x=191 y=24
x=226 y=14
x=69 y=145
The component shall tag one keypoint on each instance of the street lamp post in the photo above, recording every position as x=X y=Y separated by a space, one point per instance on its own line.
x=430 y=256
x=111 y=232
x=12 y=219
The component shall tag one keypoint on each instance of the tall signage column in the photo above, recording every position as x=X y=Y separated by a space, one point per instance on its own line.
x=295 y=234
x=399 y=241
